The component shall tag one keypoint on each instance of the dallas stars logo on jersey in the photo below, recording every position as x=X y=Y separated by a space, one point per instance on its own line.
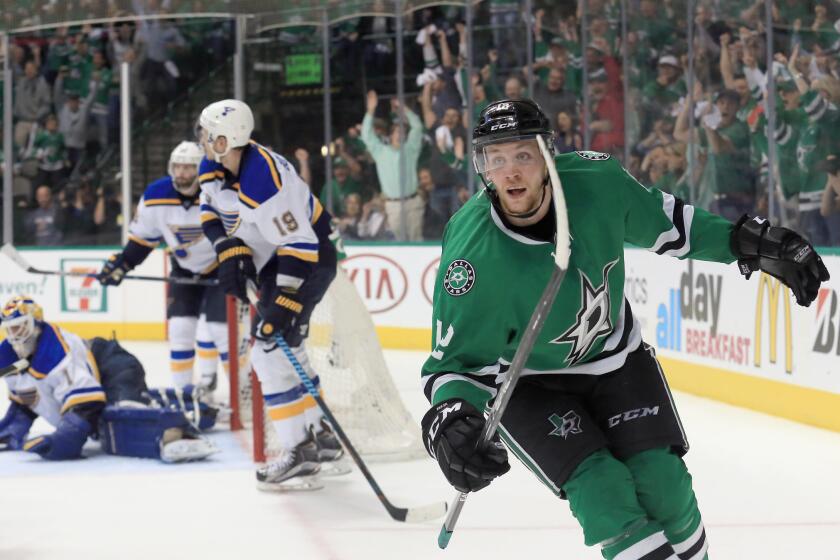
x=593 y=318
x=460 y=277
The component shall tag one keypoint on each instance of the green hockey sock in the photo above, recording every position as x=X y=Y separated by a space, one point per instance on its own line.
x=602 y=496
x=663 y=487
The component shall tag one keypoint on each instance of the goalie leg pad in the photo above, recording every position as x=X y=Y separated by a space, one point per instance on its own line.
x=141 y=431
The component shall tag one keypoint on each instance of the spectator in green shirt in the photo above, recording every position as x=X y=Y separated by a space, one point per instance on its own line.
x=336 y=190
x=48 y=148
x=403 y=207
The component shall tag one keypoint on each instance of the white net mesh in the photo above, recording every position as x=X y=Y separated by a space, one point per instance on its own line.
x=344 y=351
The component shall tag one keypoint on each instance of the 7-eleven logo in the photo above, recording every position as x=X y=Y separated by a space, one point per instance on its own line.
x=82 y=293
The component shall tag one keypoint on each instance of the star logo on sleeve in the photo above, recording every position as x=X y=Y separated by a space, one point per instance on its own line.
x=593 y=317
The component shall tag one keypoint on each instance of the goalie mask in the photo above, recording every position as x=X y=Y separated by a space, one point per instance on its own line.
x=230 y=118
x=504 y=125
x=21 y=318
x=183 y=167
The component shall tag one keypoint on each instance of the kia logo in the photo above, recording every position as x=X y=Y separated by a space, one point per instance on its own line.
x=427 y=282
x=380 y=281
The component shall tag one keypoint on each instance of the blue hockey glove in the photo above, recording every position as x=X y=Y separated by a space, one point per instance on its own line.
x=281 y=315
x=65 y=442
x=114 y=270
x=236 y=266
x=451 y=430
x=14 y=426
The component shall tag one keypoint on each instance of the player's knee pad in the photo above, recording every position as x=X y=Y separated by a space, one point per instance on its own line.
x=275 y=371
x=186 y=400
x=181 y=332
x=663 y=485
x=217 y=333
x=137 y=430
x=602 y=496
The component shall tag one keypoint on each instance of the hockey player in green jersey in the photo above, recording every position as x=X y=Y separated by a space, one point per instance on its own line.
x=592 y=416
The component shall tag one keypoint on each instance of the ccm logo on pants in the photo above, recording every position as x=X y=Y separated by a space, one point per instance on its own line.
x=632 y=415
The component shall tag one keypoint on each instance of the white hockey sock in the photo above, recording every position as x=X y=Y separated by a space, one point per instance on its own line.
x=181 y=349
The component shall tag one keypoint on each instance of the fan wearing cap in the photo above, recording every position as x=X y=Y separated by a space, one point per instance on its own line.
x=592 y=415
x=170 y=212
x=668 y=86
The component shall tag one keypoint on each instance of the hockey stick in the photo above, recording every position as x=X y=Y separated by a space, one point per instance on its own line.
x=9 y=250
x=16 y=367
x=535 y=324
x=409 y=515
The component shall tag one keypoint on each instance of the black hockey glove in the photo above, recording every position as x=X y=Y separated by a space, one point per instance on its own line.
x=114 y=270
x=280 y=316
x=451 y=430
x=781 y=253
x=236 y=267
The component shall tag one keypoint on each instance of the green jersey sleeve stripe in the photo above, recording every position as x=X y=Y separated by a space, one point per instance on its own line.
x=434 y=384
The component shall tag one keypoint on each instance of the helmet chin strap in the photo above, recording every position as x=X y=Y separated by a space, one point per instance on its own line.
x=529 y=213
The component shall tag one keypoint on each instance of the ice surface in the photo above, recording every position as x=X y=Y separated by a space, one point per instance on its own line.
x=768 y=489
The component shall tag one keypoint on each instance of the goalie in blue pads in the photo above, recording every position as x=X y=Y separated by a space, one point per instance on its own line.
x=69 y=381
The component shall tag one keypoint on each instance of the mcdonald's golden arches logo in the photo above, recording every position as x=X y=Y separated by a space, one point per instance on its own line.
x=774 y=288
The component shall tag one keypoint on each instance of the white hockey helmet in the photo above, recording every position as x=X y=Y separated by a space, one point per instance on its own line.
x=230 y=118
x=21 y=318
x=186 y=153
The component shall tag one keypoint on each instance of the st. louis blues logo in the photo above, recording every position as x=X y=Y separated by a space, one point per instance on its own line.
x=227 y=110
x=186 y=236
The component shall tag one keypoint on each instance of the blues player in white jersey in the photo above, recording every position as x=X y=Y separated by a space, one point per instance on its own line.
x=267 y=226
x=169 y=212
x=86 y=388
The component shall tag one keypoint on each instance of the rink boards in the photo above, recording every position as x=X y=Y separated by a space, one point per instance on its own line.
x=718 y=335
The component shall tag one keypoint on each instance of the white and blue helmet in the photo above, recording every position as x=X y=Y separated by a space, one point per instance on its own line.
x=230 y=118
x=21 y=319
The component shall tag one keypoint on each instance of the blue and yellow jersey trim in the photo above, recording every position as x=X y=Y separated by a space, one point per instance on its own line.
x=259 y=176
x=304 y=251
x=209 y=171
x=150 y=243
x=51 y=350
x=82 y=396
x=315 y=209
x=161 y=193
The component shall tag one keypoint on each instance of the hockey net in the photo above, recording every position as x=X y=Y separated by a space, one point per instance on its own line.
x=344 y=351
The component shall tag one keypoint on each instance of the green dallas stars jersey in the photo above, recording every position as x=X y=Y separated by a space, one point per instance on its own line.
x=491 y=278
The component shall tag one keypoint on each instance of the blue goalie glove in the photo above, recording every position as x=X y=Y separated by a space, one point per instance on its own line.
x=65 y=442
x=14 y=426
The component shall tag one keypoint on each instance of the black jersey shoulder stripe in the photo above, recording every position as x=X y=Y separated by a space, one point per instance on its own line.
x=679 y=224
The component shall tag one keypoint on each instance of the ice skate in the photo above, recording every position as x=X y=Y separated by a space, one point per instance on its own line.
x=294 y=469
x=330 y=452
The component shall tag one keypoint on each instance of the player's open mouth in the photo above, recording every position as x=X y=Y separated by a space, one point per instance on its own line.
x=515 y=192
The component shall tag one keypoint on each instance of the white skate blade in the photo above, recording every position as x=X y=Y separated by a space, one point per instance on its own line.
x=295 y=484
x=183 y=450
x=340 y=467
